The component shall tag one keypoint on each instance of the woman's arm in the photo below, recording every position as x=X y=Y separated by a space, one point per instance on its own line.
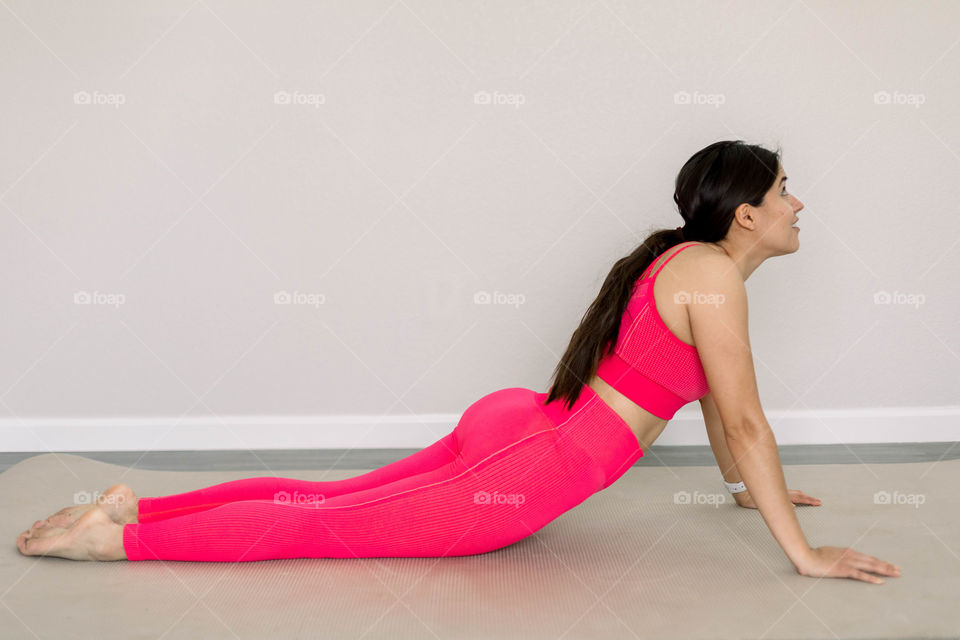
x=722 y=340
x=718 y=442
x=755 y=449
x=720 y=332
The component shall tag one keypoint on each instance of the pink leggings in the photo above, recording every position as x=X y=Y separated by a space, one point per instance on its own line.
x=510 y=466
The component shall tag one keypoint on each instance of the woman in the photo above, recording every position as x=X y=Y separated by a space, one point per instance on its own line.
x=517 y=459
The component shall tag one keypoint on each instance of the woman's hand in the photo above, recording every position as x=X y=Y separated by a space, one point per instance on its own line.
x=844 y=562
x=744 y=499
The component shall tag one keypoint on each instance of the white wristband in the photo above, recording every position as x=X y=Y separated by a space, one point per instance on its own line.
x=735 y=487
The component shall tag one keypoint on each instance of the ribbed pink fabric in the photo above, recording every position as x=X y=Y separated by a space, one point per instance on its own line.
x=649 y=364
x=511 y=465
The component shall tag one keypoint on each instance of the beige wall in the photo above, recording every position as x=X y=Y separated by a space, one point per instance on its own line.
x=183 y=163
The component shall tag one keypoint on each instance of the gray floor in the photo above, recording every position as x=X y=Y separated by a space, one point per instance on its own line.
x=642 y=559
x=673 y=456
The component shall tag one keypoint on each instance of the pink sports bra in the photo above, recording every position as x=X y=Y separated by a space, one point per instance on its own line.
x=649 y=364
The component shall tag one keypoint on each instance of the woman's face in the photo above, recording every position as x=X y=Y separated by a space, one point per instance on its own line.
x=779 y=213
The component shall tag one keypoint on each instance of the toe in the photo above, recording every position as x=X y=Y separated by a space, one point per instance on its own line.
x=30 y=547
x=28 y=544
x=44 y=545
x=58 y=520
x=48 y=532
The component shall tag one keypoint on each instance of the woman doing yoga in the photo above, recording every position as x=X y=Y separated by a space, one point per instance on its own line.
x=668 y=327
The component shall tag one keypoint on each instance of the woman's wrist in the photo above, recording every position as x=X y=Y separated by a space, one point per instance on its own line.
x=799 y=562
x=735 y=487
x=739 y=491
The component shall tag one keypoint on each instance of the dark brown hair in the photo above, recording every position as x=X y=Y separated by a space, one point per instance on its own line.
x=710 y=186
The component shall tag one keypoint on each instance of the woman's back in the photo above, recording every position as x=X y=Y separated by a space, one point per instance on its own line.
x=655 y=367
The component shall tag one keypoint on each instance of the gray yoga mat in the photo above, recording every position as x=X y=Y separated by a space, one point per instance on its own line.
x=662 y=553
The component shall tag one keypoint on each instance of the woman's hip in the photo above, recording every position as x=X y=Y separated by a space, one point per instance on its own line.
x=500 y=419
x=589 y=439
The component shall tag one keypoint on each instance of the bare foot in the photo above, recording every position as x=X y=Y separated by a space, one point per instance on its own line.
x=119 y=502
x=94 y=536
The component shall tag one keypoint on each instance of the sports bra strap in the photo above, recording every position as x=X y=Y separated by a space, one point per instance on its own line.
x=662 y=264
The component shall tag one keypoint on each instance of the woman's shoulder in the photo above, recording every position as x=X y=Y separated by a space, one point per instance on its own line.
x=701 y=263
x=697 y=263
x=701 y=253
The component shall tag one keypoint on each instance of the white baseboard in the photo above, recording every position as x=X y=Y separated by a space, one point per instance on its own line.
x=884 y=425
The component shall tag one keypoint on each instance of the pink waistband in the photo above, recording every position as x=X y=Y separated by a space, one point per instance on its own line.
x=653 y=397
x=557 y=410
x=596 y=429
